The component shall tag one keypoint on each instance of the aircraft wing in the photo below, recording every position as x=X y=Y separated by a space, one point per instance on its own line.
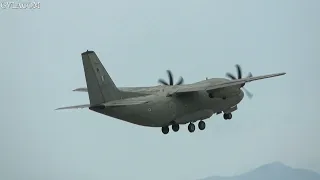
x=210 y=87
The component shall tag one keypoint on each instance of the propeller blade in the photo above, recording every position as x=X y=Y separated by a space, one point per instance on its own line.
x=239 y=71
x=231 y=76
x=249 y=75
x=170 y=77
x=180 y=81
x=248 y=93
x=161 y=81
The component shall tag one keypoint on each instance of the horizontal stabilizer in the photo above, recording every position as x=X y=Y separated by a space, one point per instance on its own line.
x=125 y=102
x=121 y=102
x=75 y=107
x=81 y=89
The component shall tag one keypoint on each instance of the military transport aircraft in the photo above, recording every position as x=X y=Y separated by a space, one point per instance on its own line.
x=166 y=105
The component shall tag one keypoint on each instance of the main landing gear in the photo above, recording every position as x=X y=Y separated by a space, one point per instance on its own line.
x=201 y=126
x=165 y=129
x=175 y=127
x=191 y=127
x=227 y=116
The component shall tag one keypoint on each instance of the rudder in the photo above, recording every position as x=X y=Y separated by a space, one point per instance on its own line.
x=100 y=86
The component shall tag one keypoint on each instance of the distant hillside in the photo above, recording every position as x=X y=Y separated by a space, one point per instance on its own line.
x=272 y=171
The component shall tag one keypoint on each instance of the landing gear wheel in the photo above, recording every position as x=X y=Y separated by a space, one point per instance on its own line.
x=201 y=125
x=191 y=127
x=227 y=116
x=175 y=127
x=165 y=130
x=210 y=95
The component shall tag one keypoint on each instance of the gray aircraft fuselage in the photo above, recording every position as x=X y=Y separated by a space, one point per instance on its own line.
x=161 y=110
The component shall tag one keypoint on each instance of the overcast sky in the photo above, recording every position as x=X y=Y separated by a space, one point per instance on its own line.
x=137 y=41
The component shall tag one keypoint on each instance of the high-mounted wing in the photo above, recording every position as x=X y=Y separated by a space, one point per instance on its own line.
x=210 y=87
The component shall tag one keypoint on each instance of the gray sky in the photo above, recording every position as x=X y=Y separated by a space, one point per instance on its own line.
x=137 y=41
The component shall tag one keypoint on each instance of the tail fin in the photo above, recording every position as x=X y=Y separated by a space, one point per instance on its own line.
x=100 y=86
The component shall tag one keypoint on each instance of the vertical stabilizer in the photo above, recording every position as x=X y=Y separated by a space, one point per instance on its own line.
x=100 y=86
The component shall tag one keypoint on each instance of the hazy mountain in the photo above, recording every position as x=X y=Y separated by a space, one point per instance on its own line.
x=273 y=171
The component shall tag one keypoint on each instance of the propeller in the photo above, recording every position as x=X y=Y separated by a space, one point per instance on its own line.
x=239 y=71
x=162 y=81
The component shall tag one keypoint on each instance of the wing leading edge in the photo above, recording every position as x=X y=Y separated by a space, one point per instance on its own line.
x=209 y=87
